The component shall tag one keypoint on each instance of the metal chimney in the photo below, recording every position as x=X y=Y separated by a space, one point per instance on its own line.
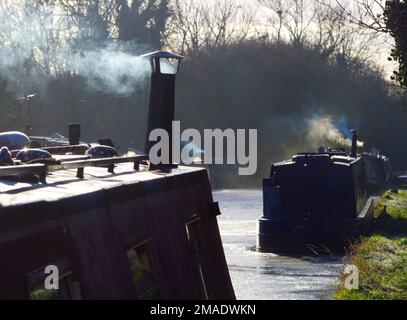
x=165 y=66
x=354 y=149
x=74 y=133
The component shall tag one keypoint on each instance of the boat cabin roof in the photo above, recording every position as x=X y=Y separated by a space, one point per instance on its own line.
x=64 y=184
x=306 y=158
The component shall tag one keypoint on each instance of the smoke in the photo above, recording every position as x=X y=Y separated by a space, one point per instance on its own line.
x=109 y=69
x=34 y=49
x=321 y=131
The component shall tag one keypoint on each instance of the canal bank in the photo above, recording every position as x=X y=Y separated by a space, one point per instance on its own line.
x=381 y=257
x=264 y=276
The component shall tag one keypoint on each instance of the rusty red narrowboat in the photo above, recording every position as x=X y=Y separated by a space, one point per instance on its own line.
x=114 y=227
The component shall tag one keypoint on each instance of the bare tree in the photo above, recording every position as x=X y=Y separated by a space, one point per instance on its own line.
x=196 y=25
x=364 y=13
x=312 y=23
x=89 y=19
x=30 y=32
x=144 y=21
x=294 y=18
x=378 y=19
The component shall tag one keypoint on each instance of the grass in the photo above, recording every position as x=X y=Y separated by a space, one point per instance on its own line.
x=381 y=258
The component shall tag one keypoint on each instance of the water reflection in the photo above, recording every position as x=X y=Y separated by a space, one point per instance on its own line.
x=263 y=275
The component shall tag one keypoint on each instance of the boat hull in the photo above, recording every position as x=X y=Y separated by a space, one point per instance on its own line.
x=307 y=235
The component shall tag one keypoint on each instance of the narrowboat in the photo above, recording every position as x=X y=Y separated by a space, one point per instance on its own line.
x=114 y=227
x=315 y=202
x=379 y=173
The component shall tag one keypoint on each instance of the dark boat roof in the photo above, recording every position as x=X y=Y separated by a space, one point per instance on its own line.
x=64 y=184
x=334 y=158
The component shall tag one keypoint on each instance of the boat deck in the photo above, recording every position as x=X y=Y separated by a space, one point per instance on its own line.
x=64 y=184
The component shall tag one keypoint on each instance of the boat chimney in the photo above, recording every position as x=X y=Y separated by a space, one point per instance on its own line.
x=74 y=133
x=354 y=149
x=165 y=66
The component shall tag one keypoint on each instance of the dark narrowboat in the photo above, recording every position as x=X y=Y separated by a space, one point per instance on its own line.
x=379 y=173
x=315 y=201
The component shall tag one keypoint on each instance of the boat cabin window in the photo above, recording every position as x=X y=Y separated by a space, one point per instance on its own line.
x=68 y=289
x=195 y=240
x=144 y=279
x=194 y=235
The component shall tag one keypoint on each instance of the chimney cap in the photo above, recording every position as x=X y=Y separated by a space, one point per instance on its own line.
x=162 y=54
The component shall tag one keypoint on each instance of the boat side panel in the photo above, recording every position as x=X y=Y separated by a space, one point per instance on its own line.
x=20 y=257
x=103 y=225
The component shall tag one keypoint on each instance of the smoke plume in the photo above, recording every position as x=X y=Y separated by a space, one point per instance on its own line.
x=109 y=69
x=323 y=132
x=33 y=50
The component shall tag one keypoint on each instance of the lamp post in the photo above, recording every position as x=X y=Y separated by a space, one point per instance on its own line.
x=164 y=68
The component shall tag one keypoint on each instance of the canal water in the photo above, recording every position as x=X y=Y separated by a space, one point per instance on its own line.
x=263 y=276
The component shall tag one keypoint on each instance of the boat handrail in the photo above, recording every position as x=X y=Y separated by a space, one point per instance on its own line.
x=43 y=169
